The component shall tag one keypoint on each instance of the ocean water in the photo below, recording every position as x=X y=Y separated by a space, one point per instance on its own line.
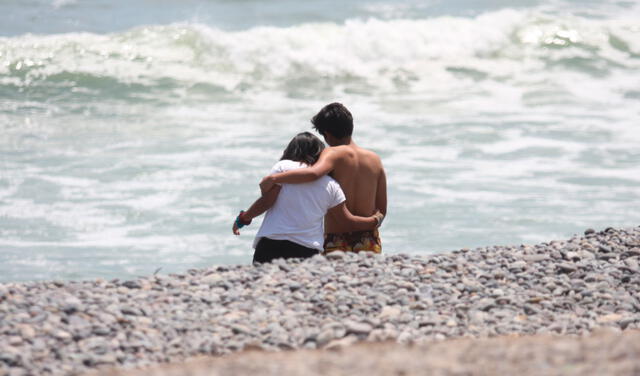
x=132 y=132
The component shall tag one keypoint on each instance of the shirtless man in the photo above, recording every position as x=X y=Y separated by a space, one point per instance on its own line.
x=359 y=172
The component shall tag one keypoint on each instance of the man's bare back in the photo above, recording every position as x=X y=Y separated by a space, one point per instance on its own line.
x=362 y=178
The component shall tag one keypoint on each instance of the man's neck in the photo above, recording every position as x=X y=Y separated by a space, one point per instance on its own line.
x=345 y=141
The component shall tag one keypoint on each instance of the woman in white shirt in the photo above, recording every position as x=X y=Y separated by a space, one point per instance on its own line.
x=293 y=225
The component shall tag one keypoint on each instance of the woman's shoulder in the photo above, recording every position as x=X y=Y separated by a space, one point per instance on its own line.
x=286 y=165
x=329 y=182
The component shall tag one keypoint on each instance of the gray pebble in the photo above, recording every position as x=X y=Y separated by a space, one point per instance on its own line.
x=357 y=328
x=564 y=267
x=132 y=284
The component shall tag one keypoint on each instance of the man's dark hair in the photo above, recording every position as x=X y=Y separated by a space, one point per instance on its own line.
x=305 y=148
x=335 y=119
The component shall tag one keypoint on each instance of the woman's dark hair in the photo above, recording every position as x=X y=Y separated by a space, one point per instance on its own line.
x=305 y=148
x=335 y=119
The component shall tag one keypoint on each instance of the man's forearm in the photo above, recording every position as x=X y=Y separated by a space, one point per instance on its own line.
x=289 y=177
x=301 y=175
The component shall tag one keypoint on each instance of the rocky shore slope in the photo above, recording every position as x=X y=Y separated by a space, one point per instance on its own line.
x=561 y=287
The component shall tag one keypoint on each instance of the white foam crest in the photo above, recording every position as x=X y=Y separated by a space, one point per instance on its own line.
x=402 y=54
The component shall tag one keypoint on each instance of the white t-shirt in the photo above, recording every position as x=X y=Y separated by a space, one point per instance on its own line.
x=298 y=212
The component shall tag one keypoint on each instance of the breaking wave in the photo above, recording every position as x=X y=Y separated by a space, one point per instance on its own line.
x=517 y=47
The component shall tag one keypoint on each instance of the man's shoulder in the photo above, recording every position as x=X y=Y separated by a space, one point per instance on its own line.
x=340 y=149
x=346 y=150
x=369 y=155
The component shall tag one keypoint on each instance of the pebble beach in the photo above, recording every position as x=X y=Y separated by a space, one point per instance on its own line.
x=563 y=287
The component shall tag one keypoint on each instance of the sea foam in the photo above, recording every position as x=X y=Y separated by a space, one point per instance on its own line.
x=519 y=47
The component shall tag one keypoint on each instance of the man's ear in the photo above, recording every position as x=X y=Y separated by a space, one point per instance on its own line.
x=331 y=139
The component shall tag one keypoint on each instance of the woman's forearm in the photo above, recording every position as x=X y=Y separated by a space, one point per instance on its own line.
x=262 y=204
x=362 y=223
x=256 y=209
x=350 y=222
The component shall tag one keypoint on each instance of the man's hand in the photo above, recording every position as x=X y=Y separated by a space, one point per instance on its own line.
x=266 y=184
x=235 y=229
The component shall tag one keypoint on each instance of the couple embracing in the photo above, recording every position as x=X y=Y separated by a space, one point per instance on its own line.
x=343 y=184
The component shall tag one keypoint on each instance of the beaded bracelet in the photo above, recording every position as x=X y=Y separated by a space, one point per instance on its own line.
x=239 y=222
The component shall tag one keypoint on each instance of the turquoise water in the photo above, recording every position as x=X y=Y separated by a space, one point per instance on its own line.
x=131 y=132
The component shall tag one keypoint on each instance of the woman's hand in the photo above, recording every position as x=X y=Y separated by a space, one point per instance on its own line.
x=379 y=218
x=241 y=220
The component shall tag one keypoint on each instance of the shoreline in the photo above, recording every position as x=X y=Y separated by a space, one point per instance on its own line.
x=566 y=287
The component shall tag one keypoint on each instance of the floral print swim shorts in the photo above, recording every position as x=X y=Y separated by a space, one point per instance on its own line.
x=353 y=242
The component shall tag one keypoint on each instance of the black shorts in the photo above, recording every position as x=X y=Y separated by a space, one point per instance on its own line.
x=268 y=250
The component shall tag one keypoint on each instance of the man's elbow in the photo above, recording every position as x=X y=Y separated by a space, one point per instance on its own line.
x=316 y=174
